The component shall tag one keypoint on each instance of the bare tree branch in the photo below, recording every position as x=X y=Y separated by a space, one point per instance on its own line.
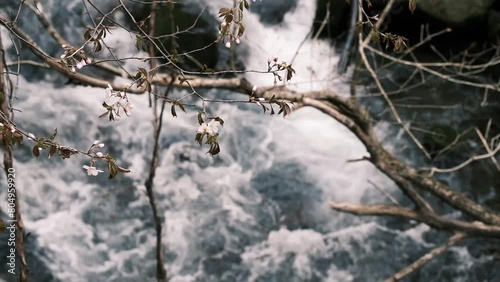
x=161 y=273
x=427 y=257
x=431 y=219
x=8 y=162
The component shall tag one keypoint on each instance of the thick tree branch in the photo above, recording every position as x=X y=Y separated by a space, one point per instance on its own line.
x=431 y=219
x=381 y=158
x=8 y=162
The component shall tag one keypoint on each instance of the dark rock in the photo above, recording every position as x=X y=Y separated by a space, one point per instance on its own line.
x=272 y=12
x=337 y=22
x=199 y=37
x=455 y=12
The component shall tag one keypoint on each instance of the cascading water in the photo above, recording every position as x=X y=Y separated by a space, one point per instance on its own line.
x=257 y=212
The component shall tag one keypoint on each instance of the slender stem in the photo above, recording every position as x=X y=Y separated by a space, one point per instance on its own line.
x=161 y=272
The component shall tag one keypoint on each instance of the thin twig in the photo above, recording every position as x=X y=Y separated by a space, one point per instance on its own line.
x=161 y=272
x=391 y=198
x=427 y=257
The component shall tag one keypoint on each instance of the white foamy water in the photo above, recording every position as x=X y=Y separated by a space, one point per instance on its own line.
x=257 y=212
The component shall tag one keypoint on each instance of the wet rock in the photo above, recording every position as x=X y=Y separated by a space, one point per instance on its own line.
x=273 y=12
x=200 y=36
x=455 y=12
x=337 y=21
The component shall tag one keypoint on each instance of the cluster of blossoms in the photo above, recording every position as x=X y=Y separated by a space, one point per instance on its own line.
x=211 y=128
x=207 y=133
x=68 y=58
x=10 y=127
x=273 y=66
x=113 y=109
x=232 y=37
x=10 y=135
x=91 y=169
x=273 y=63
x=232 y=23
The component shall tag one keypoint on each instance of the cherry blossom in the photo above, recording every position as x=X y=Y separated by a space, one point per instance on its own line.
x=109 y=90
x=211 y=128
x=92 y=170
x=128 y=108
x=81 y=64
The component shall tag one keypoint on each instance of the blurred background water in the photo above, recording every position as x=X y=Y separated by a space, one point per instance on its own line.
x=256 y=212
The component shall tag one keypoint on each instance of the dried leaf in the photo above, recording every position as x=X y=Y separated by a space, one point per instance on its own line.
x=200 y=118
x=52 y=151
x=36 y=151
x=54 y=134
x=412 y=5
x=172 y=110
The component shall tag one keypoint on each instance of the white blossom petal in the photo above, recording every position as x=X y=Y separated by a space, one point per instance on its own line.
x=203 y=128
x=92 y=170
x=109 y=90
x=80 y=64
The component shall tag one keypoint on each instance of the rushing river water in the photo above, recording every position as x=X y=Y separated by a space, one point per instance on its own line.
x=257 y=212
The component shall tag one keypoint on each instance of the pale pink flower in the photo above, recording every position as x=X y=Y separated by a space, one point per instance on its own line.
x=92 y=170
x=81 y=64
x=210 y=128
x=128 y=108
x=109 y=90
